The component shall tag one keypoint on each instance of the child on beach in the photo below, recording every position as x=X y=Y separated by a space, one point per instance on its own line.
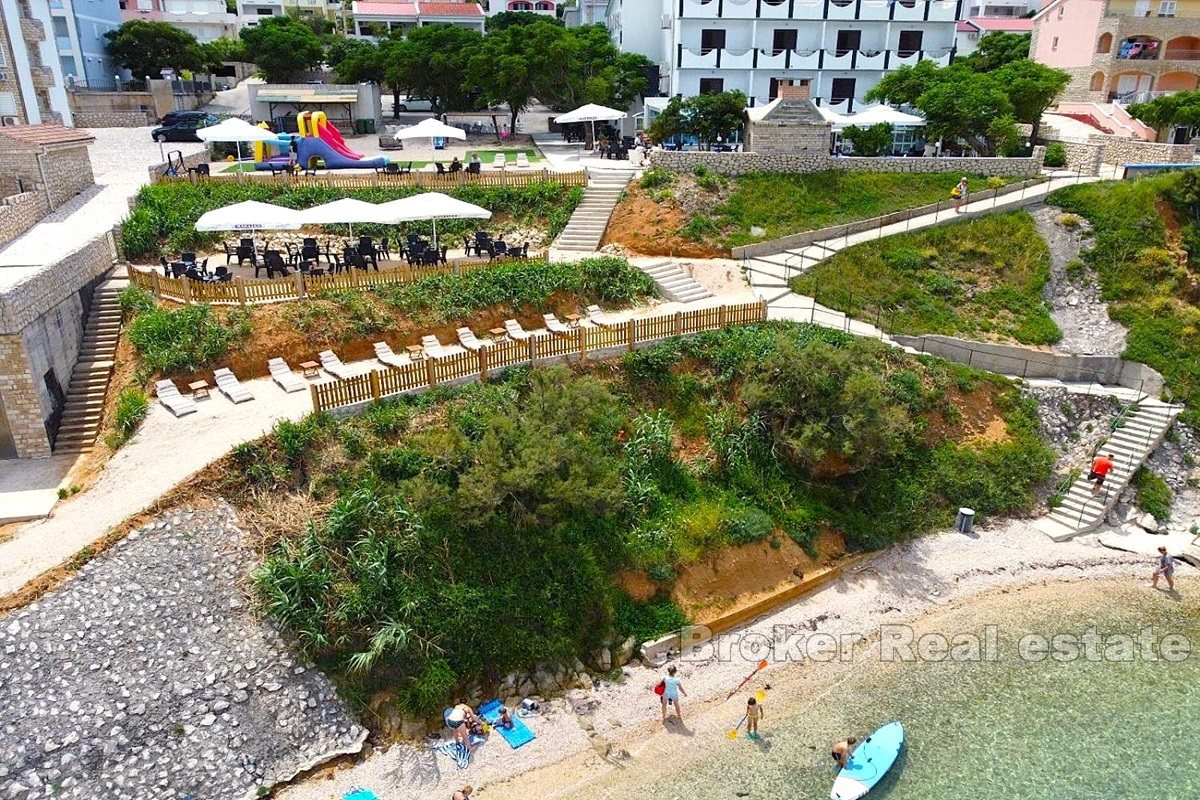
x=505 y=720
x=754 y=712
x=672 y=686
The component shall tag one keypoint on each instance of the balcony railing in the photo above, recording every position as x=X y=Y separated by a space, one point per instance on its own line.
x=862 y=10
x=829 y=58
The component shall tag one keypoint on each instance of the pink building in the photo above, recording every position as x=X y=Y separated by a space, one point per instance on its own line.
x=1120 y=50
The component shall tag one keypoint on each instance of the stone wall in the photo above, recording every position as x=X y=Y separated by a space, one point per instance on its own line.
x=114 y=119
x=768 y=137
x=1119 y=151
x=21 y=407
x=43 y=288
x=65 y=169
x=20 y=212
x=1082 y=158
x=735 y=164
x=52 y=343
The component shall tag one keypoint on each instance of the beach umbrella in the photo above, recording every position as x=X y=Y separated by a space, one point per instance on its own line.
x=432 y=206
x=346 y=211
x=238 y=131
x=250 y=215
x=591 y=113
x=886 y=114
x=431 y=129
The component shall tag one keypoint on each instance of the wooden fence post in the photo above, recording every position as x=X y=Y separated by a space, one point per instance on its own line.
x=155 y=285
x=581 y=332
x=762 y=312
x=376 y=393
x=187 y=291
x=430 y=375
x=316 y=401
x=721 y=315
x=481 y=355
x=531 y=349
x=679 y=323
x=629 y=334
x=301 y=290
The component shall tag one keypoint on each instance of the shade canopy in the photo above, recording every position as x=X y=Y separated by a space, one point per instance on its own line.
x=236 y=130
x=431 y=205
x=346 y=211
x=590 y=113
x=884 y=114
x=250 y=215
x=431 y=129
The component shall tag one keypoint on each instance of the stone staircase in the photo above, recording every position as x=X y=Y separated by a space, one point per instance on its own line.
x=89 y=381
x=674 y=283
x=586 y=226
x=1137 y=435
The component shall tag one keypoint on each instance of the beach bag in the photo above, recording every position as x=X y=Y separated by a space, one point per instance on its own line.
x=661 y=688
x=956 y=193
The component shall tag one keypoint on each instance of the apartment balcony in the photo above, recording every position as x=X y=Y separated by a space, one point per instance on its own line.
x=828 y=59
x=861 y=10
x=64 y=44
x=43 y=77
x=32 y=30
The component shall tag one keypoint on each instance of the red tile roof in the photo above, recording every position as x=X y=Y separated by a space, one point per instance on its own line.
x=450 y=9
x=1018 y=25
x=386 y=9
x=46 y=134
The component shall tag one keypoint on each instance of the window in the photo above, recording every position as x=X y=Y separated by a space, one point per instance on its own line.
x=1061 y=9
x=910 y=43
x=263 y=12
x=711 y=39
x=848 y=41
x=712 y=85
x=841 y=89
x=1104 y=45
x=1141 y=8
x=784 y=40
x=1166 y=8
x=145 y=5
x=1054 y=43
x=1097 y=83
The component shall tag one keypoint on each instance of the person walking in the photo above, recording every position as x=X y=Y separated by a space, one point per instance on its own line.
x=1165 y=568
x=754 y=712
x=959 y=195
x=1100 y=469
x=672 y=687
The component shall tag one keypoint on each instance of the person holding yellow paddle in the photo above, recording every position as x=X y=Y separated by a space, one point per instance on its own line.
x=754 y=713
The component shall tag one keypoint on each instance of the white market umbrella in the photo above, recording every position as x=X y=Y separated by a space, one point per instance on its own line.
x=590 y=113
x=346 y=211
x=250 y=215
x=886 y=114
x=238 y=131
x=431 y=206
x=431 y=129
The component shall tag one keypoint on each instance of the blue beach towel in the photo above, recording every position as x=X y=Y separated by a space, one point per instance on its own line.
x=360 y=794
x=458 y=752
x=515 y=736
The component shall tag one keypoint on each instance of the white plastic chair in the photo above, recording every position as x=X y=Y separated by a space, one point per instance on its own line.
x=435 y=349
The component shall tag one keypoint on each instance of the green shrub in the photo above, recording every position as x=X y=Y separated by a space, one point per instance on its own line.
x=747 y=525
x=134 y=300
x=646 y=621
x=187 y=338
x=698 y=228
x=1056 y=155
x=1154 y=496
x=657 y=178
x=132 y=405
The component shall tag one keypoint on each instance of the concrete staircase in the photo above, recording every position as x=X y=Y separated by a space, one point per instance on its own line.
x=89 y=381
x=674 y=284
x=1137 y=435
x=586 y=226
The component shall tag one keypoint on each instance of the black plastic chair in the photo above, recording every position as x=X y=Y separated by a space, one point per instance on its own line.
x=384 y=249
x=247 y=253
x=441 y=168
x=274 y=263
x=189 y=258
x=222 y=274
x=230 y=253
x=166 y=267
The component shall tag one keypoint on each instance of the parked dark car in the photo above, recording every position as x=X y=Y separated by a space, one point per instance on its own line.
x=184 y=130
x=175 y=117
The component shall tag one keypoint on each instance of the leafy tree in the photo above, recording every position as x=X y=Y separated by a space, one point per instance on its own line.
x=705 y=116
x=147 y=48
x=219 y=51
x=508 y=19
x=1180 y=108
x=1031 y=88
x=905 y=85
x=584 y=66
x=996 y=50
x=283 y=48
x=508 y=69
x=670 y=122
x=361 y=61
x=432 y=61
x=965 y=106
x=873 y=141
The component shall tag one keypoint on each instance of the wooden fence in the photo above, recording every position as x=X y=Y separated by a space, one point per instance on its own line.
x=296 y=287
x=430 y=372
x=424 y=180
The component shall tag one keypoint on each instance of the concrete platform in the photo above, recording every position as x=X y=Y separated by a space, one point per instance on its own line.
x=29 y=487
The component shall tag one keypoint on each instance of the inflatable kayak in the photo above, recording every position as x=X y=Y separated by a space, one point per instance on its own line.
x=869 y=763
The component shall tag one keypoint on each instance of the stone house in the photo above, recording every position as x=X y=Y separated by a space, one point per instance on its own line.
x=790 y=124
x=50 y=159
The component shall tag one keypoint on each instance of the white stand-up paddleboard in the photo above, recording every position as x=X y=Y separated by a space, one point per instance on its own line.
x=869 y=763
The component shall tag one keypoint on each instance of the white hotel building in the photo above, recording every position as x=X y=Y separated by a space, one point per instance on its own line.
x=836 y=50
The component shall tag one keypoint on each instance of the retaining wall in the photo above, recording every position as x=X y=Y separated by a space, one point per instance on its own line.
x=736 y=164
x=20 y=212
x=1084 y=158
x=114 y=119
x=1028 y=363
x=1119 y=151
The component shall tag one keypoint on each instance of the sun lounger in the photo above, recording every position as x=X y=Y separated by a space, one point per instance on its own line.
x=598 y=316
x=334 y=366
x=522 y=159
x=231 y=387
x=554 y=326
x=435 y=349
x=499 y=161
x=516 y=736
x=169 y=396
x=469 y=340
x=383 y=351
x=282 y=374
x=515 y=331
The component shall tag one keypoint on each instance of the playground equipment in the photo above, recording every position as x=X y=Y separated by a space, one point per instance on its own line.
x=318 y=144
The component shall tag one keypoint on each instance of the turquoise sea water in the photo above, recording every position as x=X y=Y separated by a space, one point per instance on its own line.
x=1008 y=729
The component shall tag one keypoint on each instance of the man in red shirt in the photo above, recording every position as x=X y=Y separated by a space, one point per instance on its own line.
x=1100 y=469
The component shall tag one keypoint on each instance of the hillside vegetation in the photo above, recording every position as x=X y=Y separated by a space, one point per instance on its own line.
x=464 y=534
x=980 y=279
x=1147 y=254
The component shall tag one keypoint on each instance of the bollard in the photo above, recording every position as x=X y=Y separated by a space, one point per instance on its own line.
x=964 y=520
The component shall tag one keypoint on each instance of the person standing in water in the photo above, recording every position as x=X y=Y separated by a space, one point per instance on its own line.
x=672 y=687
x=842 y=750
x=754 y=712
x=1165 y=568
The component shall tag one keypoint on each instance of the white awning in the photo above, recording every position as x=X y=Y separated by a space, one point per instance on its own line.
x=431 y=129
x=236 y=130
x=590 y=113
x=431 y=205
x=250 y=215
x=346 y=211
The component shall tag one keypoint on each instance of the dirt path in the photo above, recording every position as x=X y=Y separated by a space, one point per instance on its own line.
x=1074 y=289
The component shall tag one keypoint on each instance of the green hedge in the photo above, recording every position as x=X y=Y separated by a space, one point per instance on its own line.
x=164 y=215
